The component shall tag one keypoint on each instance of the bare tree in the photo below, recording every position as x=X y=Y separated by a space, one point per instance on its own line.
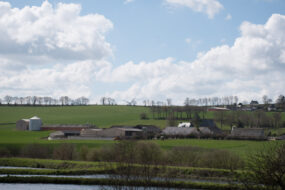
x=277 y=119
x=169 y=101
x=103 y=100
x=220 y=116
x=8 y=99
x=34 y=100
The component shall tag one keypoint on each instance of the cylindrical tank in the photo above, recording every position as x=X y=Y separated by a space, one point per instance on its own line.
x=35 y=124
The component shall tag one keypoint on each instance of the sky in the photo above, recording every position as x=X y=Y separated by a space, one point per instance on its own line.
x=142 y=49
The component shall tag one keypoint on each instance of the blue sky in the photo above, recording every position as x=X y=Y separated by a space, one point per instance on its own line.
x=156 y=35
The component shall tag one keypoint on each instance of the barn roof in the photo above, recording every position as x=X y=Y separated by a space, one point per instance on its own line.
x=248 y=132
x=180 y=131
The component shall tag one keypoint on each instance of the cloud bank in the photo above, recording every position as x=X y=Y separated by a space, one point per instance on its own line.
x=55 y=51
x=253 y=66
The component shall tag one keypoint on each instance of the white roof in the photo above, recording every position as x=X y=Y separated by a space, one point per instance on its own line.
x=35 y=117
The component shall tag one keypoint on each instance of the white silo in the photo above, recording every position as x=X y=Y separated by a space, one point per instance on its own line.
x=35 y=124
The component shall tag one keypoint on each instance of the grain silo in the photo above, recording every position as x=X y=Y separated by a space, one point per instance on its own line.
x=35 y=124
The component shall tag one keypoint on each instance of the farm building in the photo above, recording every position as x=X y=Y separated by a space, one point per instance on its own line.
x=35 y=124
x=247 y=133
x=32 y=124
x=211 y=125
x=66 y=127
x=280 y=137
x=184 y=124
x=180 y=131
x=149 y=131
x=23 y=124
x=62 y=134
x=218 y=109
x=124 y=133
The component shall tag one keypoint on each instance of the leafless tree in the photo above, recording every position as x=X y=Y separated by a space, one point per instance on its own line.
x=277 y=119
x=34 y=100
x=8 y=99
x=169 y=101
x=220 y=116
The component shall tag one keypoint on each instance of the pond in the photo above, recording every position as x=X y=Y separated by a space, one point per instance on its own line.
x=15 y=167
x=104 y=176
x=28 y=186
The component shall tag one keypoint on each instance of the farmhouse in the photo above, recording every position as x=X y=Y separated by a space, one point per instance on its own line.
x=32 y=124
x=247 y=133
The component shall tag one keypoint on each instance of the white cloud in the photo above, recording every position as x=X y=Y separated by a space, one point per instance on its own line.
x=52 y=33
x=76 y=60
x=210 y=7
x=51 y=50
x=188 y=40
x=228 y=17
x=128 y=1
x=73 y=80
x=252 y=67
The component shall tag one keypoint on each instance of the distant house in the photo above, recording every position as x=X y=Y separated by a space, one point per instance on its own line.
x=211 y=125
x=218 y=109
x=253 y=102
x=247 y=133
x=271 y=107
x=184 y=124
x=240 y=105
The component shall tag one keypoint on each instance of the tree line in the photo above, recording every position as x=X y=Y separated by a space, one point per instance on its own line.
x=46 y=100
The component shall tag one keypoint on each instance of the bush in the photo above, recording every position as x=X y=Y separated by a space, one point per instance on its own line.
x=94 y=154
x=4 y=152
x=267 y=168
x=220 y=159
x=205 y=158
x=64 y=152
x=143 y=116
x=35 y=151
x=83 y=153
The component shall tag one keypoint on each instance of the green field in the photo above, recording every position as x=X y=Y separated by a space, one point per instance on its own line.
x=101 y=116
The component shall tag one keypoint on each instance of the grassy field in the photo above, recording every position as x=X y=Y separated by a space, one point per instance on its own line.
x=101 y=116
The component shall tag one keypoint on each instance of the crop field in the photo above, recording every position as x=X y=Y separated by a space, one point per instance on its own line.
x=101 y=116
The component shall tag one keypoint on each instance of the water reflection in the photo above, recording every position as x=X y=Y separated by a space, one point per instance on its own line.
x=9 y=186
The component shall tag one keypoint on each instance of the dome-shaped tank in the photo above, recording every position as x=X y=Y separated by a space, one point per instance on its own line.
x=35 y=124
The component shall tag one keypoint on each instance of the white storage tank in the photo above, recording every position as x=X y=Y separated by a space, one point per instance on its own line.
x=35 y=124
